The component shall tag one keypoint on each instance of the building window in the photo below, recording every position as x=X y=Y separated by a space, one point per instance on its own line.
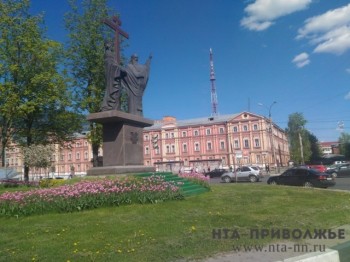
x=236 y=143
x=222 y=145
x=77 y=144
x=255 y=127
x=184 y=133
x=85 y=143
x=86 y=155
x=172 y=135
x=172 y=148
x=184 y=148
x=168 y=149
x=77 y=155
x=62 y=157
x=166 y=135
x=146 y=150
x=224 y=160
x=69 y=156
x=221 y=130
x=208 y=131
x=209 y=146
x=256 y=142
x=245 y=128
x=157 y=151
x=146 y=137
x=196 y=133
x=196 y=146
x=246 y=143
x=258 y=160
x=235 y=129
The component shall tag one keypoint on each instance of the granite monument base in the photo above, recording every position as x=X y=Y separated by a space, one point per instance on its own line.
x=122 y=143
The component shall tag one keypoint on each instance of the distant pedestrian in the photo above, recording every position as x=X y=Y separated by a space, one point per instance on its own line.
x=267 y=168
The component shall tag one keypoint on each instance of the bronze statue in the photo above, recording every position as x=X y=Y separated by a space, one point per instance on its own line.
x=124 y=85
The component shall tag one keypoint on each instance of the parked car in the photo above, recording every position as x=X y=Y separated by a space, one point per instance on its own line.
x=217 y=172
x=334 y=166
x=300 y=176
x=342 y=170
x=243 y=173
x=321 y=168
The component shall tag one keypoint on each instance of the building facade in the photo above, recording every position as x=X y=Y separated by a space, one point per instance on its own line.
x=171 y=144
x=218 y=141
x=71 y=158
x=328 y=148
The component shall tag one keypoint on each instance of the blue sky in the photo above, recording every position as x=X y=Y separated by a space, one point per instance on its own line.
x=294 y=52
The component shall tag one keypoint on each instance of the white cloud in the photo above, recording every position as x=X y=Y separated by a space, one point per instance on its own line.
x=262 y=13
x=330 y=32
x=347 y=96
x=301 y=60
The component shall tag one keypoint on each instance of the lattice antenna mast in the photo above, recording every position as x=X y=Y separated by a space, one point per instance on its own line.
x=214 y=99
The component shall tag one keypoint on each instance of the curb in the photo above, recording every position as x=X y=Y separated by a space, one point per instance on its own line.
x=329 y=255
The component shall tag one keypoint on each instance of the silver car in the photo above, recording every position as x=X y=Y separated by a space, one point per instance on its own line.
x=243 y=173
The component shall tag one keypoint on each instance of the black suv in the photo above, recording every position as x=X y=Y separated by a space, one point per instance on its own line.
x=217 y=172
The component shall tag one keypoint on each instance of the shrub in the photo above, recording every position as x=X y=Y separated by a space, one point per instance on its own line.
x=45 y=183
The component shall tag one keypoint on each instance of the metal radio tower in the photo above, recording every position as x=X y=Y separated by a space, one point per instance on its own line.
x=214 y=99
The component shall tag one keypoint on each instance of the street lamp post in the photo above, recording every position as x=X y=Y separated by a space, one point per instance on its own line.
x=271 y=134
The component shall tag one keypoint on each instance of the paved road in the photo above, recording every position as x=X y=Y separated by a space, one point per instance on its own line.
x=342 y=183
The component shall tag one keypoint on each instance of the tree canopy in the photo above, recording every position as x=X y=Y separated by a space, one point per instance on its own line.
x=85 y=53
x=300 y=149
x=38 y=108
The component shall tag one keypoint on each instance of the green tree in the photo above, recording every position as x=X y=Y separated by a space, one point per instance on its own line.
x=344 y=145
x=314 y=147
x=37 y=109
x=87 y=35
x=300 y=148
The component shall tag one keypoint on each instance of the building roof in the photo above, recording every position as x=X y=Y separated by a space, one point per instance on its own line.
x=329 y=144
x=173 y=122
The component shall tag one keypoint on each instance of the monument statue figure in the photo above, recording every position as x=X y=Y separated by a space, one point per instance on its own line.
x=121 y=113
x=124 y=85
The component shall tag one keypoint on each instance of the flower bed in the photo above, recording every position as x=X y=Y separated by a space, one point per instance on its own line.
x=89 y=194
x=197 y=178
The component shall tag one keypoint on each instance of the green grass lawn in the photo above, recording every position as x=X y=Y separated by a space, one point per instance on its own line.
x=171 y=230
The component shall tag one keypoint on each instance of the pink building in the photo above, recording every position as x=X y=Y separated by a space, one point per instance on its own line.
x=219 y=141
x=73 y=158
x=171 y=144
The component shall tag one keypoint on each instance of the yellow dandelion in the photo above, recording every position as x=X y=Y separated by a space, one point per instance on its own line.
x=119 y=251
x=97 y=252
x=193 y=228
x=75 y=244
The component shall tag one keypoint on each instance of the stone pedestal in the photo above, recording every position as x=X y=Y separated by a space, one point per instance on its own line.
x=122 y=142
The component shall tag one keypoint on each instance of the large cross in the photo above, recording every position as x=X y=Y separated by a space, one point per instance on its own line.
x=114 y=23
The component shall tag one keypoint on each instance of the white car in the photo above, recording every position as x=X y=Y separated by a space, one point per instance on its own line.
x=243 y=173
